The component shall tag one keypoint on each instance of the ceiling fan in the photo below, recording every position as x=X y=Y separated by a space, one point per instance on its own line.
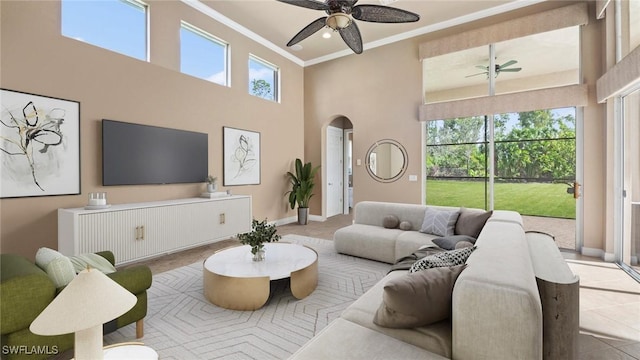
x=340 y=18
x=499 y=68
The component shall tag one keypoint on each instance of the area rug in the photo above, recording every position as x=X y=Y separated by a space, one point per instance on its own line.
x=182 y=324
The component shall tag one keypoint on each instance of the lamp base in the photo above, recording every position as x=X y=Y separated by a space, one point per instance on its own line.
x=88 y=344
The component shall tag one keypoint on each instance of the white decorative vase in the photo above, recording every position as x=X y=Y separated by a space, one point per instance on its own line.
x=211 y=188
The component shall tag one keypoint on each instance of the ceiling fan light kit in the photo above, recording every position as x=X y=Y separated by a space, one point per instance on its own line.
x=338 y=21
x=341 y=15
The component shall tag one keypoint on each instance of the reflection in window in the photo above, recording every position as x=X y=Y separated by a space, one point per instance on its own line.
x=263 y=79
x=538 y=61
x=117 y=25
x=202 y=55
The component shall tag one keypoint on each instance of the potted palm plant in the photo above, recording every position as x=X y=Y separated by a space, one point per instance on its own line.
x=302 y=183
x=260 y=233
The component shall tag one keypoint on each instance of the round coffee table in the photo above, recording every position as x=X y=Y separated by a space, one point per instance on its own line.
x=232 y=280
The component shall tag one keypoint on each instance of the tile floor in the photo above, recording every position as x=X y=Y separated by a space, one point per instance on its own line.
x=609 y=298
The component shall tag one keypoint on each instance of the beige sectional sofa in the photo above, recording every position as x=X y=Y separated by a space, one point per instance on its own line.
x=496 y=312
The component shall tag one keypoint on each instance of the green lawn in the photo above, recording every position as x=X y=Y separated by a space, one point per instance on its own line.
x=539 y=199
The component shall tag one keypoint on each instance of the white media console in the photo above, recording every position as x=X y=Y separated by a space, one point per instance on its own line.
x=143 y=230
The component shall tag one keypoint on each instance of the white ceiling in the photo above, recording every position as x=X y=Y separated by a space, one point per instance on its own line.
x=274 y=23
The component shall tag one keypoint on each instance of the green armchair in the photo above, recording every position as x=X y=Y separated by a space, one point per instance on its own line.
x=26 y=290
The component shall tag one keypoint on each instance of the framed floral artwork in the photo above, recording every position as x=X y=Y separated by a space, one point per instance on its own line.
x=39 y=145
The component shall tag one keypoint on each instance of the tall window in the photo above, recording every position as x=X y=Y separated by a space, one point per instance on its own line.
x=534 y=162
x=117 y=25
x=202 y=55
x=264 y=79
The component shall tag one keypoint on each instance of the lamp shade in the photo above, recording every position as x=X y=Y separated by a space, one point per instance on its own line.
x=338 y=21
x=89 y=300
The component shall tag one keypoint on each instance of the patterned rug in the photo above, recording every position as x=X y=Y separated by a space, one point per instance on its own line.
x=182 y=324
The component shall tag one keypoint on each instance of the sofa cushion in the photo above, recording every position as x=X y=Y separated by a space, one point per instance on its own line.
x=445 y=258
x=45 y=255
x=449 y=242
x=435 y=337
x=439 y=222
x=418 y=299
x=60 y=271
x=405 y=225
x=367 y=241
x=81 y=261
x=390 y=222
x=471 y=221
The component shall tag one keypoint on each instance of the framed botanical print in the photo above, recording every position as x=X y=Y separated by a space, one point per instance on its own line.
x=241 y=157
x=39 y=145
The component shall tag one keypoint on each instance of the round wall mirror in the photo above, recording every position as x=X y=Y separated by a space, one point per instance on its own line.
x=386 y=160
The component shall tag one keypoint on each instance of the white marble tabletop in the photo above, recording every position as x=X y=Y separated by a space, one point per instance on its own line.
x=280 y=260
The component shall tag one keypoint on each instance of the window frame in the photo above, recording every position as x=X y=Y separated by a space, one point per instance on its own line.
x=214 y=39
x=134 y=3
x=276 y=77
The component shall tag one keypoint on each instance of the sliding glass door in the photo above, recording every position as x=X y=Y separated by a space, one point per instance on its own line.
x=533 y=172
x=630 y=247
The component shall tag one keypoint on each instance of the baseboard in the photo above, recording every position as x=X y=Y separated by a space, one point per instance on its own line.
x=598 y=253
x=293 y=219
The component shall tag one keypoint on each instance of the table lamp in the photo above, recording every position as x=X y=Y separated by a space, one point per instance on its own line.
x=89 y=301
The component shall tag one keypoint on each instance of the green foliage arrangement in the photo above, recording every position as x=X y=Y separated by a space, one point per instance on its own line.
x=301 y=184
x=261 y=233
x=211 y=179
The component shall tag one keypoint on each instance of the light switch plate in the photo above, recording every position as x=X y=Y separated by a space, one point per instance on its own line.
x=413 y=177
x=358 y=162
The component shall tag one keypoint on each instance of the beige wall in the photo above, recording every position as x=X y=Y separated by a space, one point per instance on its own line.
x=37 y=59
x=380 y=92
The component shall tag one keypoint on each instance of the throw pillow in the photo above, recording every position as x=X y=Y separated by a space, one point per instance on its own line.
x=390 y=222
x=471 y=222
x=405 y=225
x=45 y=255
x=449 y=242
x=439 y=222
x=60 y=271
x=417 y=299
x=463 y=244
x=80 y=262
x=441 y=259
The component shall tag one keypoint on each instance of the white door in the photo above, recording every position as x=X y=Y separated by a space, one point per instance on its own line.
x=335 y=166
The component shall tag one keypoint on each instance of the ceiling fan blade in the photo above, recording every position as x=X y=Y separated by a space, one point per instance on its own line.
x=351 y=36
x=308 y=30
x=309 y=4
x=468 y=76
x=510 y=70
x=383 y=14
x=508 y=63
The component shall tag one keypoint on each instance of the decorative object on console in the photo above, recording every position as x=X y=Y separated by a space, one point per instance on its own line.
x=89 y=301
x=302 y=184
x=439 y=222
x=40 y=147
x=260 y=233
x=212 y=183
x=241 y=157
x=97 y=200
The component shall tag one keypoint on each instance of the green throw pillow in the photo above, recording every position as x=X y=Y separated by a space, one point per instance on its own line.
x=80 y=262
x=60 y=271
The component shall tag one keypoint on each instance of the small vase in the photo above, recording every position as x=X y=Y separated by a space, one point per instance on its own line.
x=258 y=255
x=211 y=188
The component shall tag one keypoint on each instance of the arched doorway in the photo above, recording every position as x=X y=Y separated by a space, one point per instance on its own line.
x=337 y=164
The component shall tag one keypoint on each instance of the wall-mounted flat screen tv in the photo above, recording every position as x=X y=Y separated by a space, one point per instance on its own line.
x=135 y=154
